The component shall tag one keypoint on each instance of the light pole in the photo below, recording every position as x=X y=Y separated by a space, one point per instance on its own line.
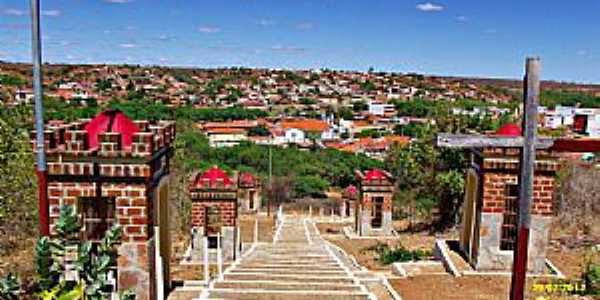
x=41 y=170
x=270 y=176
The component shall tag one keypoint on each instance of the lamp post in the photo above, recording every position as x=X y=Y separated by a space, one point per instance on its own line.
x=41 y=169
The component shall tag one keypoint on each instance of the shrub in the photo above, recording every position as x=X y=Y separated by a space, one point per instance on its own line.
x=9 y=287
x=387 y=255
x=92 y=266
x=591 y=273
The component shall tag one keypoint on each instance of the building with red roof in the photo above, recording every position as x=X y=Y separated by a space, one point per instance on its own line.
x=249 y=195
x=374 y=209
x=113 y=170
x=214 y=213
x=349 y=203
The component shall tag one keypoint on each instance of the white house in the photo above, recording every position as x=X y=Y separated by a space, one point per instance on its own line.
x=378 y=108
x=294 y=136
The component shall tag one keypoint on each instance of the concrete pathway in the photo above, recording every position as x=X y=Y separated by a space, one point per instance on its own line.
x=299 y=264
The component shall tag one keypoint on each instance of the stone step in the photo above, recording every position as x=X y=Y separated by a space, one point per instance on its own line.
x=288 y=255
x=329 y=263
x=244 y=266
x=288 y=277
x=338 y=272
x=286 y=285
x=258 y=294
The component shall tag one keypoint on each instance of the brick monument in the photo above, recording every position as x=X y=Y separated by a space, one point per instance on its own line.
x=115 y=170
x=489 y=225
x=374 y=214
x=249 y=195
x=349 y=201
x=214 y=212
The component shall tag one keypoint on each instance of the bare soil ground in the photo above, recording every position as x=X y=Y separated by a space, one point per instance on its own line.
x=19 y=261
x=266 y=227
x=567 y=256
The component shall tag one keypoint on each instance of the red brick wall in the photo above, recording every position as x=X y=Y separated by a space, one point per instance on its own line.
x=494 y=192
x=368 y=203
x=133 y=209
x=227 y=209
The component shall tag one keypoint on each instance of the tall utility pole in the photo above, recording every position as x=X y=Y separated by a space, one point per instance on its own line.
x=41 y=170
x=270 y=176
x=530 y=106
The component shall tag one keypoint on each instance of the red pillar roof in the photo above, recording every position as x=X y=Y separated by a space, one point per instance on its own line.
x=111 y=121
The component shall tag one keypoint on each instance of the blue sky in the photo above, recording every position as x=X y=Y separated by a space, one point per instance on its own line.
x=459 y=37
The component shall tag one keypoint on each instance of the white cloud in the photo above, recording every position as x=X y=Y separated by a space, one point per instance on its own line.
x=15 y=12
x=128 y=45
x=208 y=29
x=462 y=19
x=51 y=13
x=582 y=52
x=428 y=6
x=21 y=12
x=118 y=1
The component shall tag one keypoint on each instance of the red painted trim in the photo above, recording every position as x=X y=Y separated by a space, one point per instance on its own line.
x=43 y=204
x=576 y=145
x=517 y=288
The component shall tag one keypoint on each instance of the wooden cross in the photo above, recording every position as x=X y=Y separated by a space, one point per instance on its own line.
x=528 y=143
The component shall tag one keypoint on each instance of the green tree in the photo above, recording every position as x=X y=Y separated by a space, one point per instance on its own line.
x=359 y=106
x=260 y=130
x=18 y=204
x=12 y=80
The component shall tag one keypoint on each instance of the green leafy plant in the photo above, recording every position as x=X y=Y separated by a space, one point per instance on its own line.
x=93 y=261
x=9 y=287
x=591 y=272
x=387 y=255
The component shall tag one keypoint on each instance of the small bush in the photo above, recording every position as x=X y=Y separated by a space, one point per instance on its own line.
x=9 y=287
x=398 y=253
x=591 y=273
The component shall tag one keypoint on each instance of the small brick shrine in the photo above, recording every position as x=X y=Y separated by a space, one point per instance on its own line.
x=114 y=170
x=349 y=203
x=489 y=225
x=214 y=211
x=249 y=194
x=374 y=214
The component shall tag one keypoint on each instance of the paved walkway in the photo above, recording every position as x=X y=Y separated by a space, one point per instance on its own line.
x=297 y=265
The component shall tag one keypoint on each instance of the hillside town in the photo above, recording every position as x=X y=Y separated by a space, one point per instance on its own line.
x=355 y=112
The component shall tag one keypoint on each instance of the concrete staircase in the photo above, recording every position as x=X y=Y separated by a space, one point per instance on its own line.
x=297 y=265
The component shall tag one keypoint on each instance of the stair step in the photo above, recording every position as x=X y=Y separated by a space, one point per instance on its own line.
x=286 y=285
x=288 y=267
x=251 y=294
x=339 y=272
x=287 y=277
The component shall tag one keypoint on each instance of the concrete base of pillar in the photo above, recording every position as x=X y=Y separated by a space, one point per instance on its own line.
x=195 y=254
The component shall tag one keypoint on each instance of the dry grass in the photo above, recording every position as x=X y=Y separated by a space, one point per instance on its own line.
x=19 y=260
x=266 y=227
